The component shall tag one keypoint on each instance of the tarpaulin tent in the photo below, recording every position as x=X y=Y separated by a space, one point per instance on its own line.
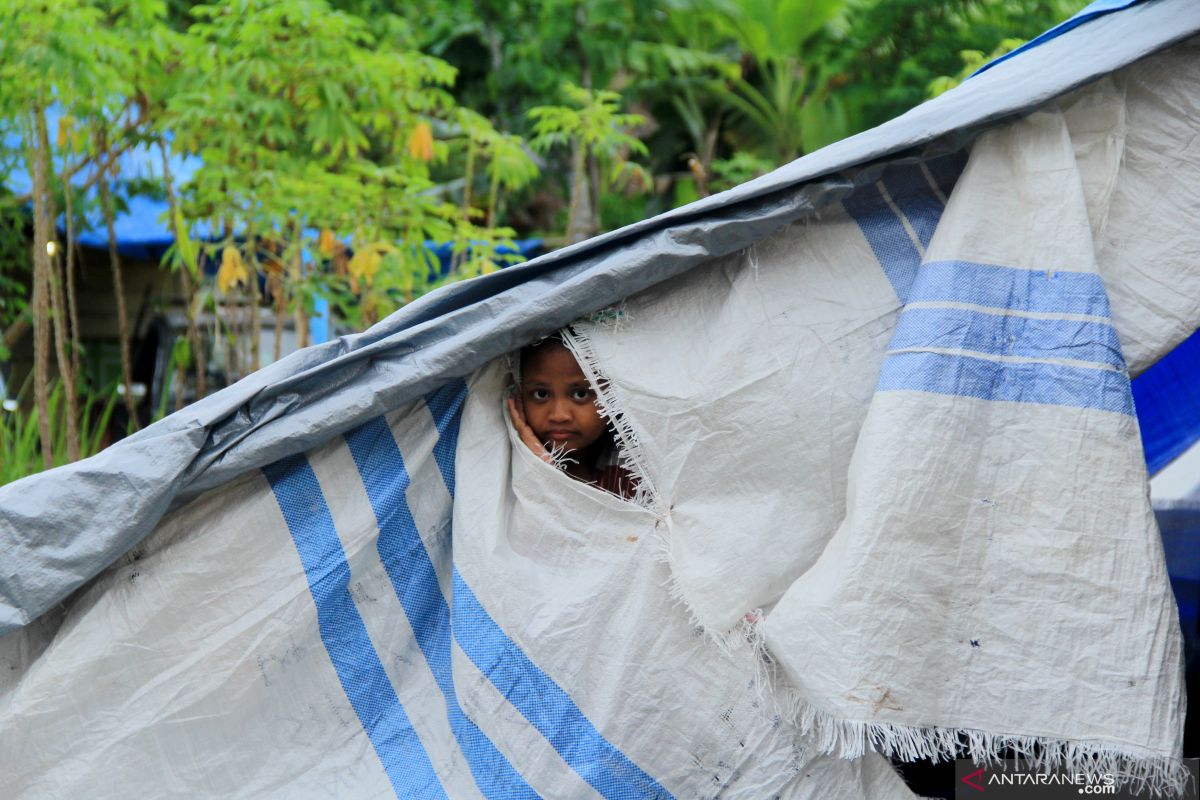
x=893 y=494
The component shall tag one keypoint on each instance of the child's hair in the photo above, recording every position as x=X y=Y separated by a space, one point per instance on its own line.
x=555 y=338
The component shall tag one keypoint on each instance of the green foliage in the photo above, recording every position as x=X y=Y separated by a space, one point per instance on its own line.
x=972 y=61
x=61 y=49
x=883 y=54
x=509 y=166
x=593 y=119
x=20 y=453
x=290 y=102
x=595 y=128
x=307 y=117
x=739 y=168
x=14 y=268
x=779 y=30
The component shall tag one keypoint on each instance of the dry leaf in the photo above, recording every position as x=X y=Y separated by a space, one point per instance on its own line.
x=233 y=271
x=420 y=142
x=325 y=242
x=365 y=263
x=65 y=123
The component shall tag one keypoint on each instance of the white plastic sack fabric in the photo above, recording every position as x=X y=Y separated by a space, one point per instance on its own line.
x=894 y=442
x=311 y=632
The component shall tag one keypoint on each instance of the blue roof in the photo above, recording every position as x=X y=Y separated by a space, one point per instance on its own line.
x=141 y=227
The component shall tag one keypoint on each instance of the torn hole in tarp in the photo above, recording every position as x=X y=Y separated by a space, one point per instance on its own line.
x=564 y=410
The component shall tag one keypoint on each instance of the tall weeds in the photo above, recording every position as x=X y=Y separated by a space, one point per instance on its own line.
x=20 y=445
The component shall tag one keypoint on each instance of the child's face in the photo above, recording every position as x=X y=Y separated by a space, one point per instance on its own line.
x=560 y=405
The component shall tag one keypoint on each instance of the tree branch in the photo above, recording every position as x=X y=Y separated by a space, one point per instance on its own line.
x=111 y=158
x=16 y=330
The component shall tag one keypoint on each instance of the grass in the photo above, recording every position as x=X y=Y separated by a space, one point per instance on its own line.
x=20 y=444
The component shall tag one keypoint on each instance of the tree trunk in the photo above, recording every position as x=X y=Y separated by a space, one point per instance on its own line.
x=119 y=289
x=577 y=211
x=460 y=254
x=229 y=340
x=63 y=359
x=242 y=334
x=72 y=305
x=584 y=189
x=15 y=331
x=179 y=382
x=42 y=234
x=493 y=200
x=594 y=224
x=255 y=315
x=58 y=312
x=190 y=288
x=199 y=365
x=709 y=149
x=276 y=284
x=299 y=316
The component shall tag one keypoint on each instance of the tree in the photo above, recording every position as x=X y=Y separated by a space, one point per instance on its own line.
x=882 y=54
x=784 y=99
x=65 y=55
x=594 y=128
x=309 y=120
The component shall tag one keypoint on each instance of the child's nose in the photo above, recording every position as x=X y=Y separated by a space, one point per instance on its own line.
x=560 y=411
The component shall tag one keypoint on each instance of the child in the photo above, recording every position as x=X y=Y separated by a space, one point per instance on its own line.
x=554 y=412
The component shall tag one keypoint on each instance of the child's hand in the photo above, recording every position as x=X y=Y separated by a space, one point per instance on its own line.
x=525 y=432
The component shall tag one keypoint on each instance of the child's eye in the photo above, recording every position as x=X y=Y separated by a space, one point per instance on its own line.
x=580 y=395
x=539 y=394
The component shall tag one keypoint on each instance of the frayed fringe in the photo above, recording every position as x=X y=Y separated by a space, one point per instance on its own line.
x=612 y=317
x=743 y=642
x=1158 y=775
x=560 y=457
x=1140 y=770
x=745 y=639
x=632 y=457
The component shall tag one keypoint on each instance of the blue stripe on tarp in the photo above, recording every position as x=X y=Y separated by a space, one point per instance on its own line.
x=547 y=707
x=1167 y=398
x=539 y=699
x=1053 y=384
x=1087 y=14
x=415 y=582
x=912 y=193
x=1011 y=288
x=446 y=406
x=1005 y=335
x=885 y=233
x=345 y=636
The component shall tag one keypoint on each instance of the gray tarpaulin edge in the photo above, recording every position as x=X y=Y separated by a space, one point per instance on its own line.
x=60 y=528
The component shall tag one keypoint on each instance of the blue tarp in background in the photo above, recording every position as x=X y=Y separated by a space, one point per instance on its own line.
x=1167 y=398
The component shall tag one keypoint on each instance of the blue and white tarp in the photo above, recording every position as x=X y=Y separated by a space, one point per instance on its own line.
x=893 y=496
